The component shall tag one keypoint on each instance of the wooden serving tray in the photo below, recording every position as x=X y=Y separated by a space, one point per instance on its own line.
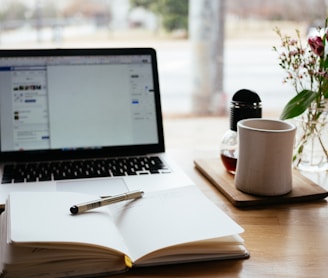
x=303 y=188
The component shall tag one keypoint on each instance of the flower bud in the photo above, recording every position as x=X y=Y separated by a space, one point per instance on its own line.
x=317 y=45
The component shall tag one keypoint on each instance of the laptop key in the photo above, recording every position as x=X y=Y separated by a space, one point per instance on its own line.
x=19 y=179
x=44 y=177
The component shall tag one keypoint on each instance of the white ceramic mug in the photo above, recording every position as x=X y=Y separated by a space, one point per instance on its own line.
x=264 y=165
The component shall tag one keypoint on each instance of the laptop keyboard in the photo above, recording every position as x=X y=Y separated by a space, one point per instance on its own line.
x=77 y=169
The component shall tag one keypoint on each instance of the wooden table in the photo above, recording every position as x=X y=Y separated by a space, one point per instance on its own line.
x=283 y=240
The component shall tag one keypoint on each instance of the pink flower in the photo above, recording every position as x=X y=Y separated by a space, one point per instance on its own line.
x=316 y=45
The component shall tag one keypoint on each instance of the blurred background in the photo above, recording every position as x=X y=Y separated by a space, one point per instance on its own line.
x=207 y=50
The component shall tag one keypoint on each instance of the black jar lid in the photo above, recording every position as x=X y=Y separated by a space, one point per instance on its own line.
x=245 y=104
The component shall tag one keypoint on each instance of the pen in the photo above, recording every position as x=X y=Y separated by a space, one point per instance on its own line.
x=79 y=208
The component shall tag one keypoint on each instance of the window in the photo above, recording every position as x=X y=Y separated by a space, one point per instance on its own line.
x=248 y=60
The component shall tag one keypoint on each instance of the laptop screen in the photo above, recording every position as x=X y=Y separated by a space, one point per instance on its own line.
x=80 y=102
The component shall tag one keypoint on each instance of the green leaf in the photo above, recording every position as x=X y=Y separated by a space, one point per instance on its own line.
x=325 y=62
x=297 y=105
x=325 y=88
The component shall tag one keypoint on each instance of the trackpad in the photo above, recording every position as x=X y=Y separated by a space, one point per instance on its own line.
x=100 y=187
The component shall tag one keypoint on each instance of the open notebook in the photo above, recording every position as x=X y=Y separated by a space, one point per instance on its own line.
x=50 y=242
x=75 y=115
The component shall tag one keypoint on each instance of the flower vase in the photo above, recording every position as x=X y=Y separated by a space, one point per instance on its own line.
x=311 y=144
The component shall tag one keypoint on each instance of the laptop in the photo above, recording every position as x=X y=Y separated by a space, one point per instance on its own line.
x=82 y=120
